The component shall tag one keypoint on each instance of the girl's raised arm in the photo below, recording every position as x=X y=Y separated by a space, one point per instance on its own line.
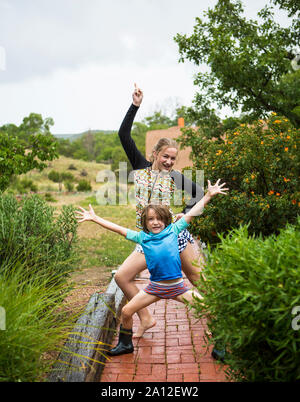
x=137 y=96
x=137 y=160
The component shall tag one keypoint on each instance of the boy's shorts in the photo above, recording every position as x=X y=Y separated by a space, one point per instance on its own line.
x=166 y=291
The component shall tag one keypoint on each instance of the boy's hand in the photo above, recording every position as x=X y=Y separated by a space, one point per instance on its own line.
x=85 y=215
x=178 y=216
x=216 y=189
x=197 y=209
x=137 y=96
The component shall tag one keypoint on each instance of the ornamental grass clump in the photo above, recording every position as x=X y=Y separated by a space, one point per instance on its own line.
x=34 y=322
x=260 y=163
x=251 y=290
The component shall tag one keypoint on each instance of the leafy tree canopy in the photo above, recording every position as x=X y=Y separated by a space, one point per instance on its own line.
x=25 y=147
x=292 y=6
x=249 y=63
x=158 y=120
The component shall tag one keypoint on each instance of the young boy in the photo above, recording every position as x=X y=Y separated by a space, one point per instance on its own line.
x=159 y=242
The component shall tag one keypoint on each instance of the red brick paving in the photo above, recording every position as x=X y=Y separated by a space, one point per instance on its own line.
x=172 y=351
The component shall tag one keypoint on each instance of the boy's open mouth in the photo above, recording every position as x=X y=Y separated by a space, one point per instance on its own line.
x=156 y=228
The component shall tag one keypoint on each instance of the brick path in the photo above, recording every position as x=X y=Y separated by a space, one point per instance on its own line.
x=172 y=351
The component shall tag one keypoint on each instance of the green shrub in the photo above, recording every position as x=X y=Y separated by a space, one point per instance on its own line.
x=21 y=186
x=49 y=198
x=260 y=165
x=84 y=185
x=69 y=185
x=251 y=287
x=21 y=225
x=55 y=176
x=25 y=185
x=35 y=322
x=72 y=167
x=83 y=172
x=67 y=176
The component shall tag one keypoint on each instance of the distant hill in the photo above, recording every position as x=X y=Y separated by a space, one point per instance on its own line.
x=73 y=137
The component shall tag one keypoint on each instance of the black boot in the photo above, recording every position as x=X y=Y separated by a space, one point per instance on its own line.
x=218 y=352
x=125 y=343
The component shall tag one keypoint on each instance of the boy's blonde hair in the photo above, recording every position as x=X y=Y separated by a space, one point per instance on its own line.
x=161 y=143
x=162 y=211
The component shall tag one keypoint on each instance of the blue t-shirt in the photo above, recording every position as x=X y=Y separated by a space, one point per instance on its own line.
x=161 y=250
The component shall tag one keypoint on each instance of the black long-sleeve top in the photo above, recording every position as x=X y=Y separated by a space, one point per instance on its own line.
x=138 y=161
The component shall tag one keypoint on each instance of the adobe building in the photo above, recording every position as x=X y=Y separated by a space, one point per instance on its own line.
x=173 y=132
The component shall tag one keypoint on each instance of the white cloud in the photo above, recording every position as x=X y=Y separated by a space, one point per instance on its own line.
x=129 y=41
x=94 y=96
x=76 y=61
x=2 y=59
x=5 y=5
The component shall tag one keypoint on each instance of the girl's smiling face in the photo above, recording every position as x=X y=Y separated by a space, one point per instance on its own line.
x=154 y=223
x=165 y=159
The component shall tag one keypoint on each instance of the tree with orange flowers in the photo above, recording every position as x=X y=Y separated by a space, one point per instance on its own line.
x=260 y=163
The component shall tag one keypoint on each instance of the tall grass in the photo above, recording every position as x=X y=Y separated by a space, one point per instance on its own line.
x=35 y=321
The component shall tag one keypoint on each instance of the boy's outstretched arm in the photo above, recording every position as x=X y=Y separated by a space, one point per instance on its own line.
x=211 y=192
x=91 y=216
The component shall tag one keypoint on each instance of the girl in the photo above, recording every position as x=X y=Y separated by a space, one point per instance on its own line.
x=155 y=182
x=159 y=242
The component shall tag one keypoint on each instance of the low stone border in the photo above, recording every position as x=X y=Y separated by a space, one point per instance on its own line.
x=77 y=361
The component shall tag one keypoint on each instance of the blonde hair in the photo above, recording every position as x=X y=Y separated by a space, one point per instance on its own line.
x=162 y=143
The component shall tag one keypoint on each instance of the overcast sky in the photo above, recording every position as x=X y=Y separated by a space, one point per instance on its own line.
x=77 y=60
